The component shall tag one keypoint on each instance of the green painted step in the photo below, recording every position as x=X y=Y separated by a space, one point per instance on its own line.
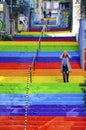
x=42 y=48
x=13 y=88
x=59 y=48
x=55 y=88
x=35 y=88
x=17 y=48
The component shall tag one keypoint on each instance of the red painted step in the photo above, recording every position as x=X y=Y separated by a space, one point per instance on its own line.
x=41 y=120
x=54 y=65
x=62 y=127
x=43 y=123
x=78 y=128
x=38 y=65
x=50 y=30
x=85 y=65
x=17 y=127
x=47 y=39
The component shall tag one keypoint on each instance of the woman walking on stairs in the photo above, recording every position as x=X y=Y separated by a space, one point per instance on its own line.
x=65 y=66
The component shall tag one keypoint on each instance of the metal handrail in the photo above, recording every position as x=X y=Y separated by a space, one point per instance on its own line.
x=29 y=80
x=36 y=54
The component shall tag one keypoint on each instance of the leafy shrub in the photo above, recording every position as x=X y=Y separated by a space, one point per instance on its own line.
x=7 y=38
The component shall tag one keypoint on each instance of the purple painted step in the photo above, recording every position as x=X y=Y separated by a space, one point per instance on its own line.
x=44 y=110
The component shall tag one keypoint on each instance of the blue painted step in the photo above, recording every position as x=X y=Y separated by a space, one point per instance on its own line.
x=42 y=99
x=41 y=54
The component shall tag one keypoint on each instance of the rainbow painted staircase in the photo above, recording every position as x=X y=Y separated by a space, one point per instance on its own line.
x=53 y=105
x=51 y=25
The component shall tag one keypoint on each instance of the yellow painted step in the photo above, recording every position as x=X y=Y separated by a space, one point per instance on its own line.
x=39 y=25
x=49 y=79
x=38 y=33
x=22 y=43
x=49 y=18
x=39 y=79
x=28 y=33
x=27 y=43
x=13 y=79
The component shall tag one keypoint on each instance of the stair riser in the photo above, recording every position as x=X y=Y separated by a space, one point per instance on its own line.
x=39 y=65
x=30 y=59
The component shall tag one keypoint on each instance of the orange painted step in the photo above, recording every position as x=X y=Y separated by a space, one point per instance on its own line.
x=14 y=72
x=39 y=72
x=53 y=72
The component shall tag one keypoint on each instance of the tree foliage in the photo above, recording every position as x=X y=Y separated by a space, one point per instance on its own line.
x=83 y=8
x=18 y=6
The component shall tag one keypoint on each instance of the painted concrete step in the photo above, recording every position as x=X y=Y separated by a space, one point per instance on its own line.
x=13 y=79
x=43 y=122
x=39 y=72
x=40 y=54
x=62 y=127
x=35 y=29
x=56 y=79
x=31 y=48
x=44 y=110
x=39 y=59
x=17 y=127
x=25 y=38
x=53 y=72
x=40 y=120
x=41 y=79
x=35 y=88
x=42 y=99
x=48 y=127
x=35 y=113
x=53 y=88
x=35 y=43
x=37 y=65
x=59 y=33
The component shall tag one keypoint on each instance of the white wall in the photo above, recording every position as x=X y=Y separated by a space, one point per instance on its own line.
x=76 y=16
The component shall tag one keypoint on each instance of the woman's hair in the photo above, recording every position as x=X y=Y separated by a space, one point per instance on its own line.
x=64 y=55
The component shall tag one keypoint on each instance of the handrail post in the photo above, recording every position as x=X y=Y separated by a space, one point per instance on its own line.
x=30 y=69
x=42 y=33
x=39 y=45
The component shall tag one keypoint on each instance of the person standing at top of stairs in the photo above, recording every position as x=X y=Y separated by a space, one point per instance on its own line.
x=49 y=14
x=65 y=66
x=45 y=15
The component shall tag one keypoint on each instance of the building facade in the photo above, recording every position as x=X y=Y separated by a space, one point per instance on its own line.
x=66 y=12
x=4 y=16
